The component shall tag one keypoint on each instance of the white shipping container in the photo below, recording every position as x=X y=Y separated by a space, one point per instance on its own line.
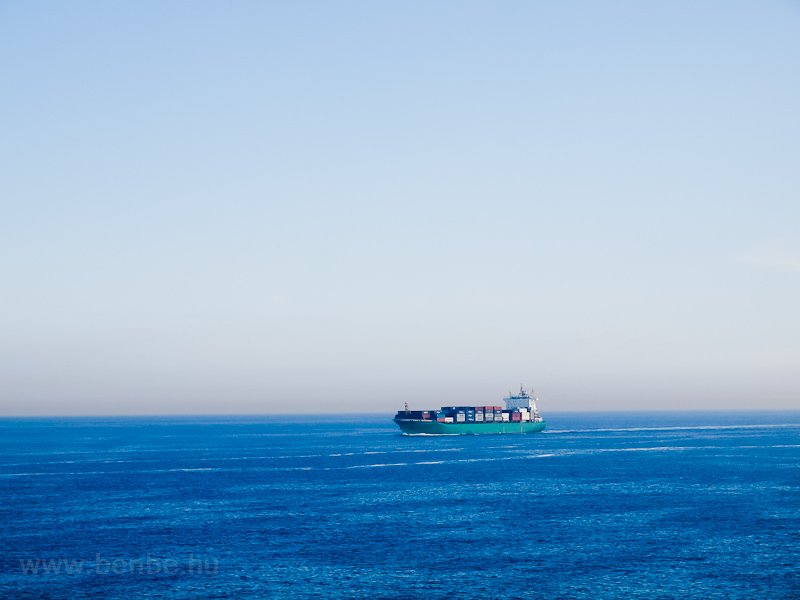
x=506 y=417
x=448 y=419
x=489 y=417
x=460 y=418
x=478 y=417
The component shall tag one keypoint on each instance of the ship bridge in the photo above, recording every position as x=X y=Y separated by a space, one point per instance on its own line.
x=521 y=400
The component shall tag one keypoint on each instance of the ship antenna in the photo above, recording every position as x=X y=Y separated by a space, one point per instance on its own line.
x=406 y=406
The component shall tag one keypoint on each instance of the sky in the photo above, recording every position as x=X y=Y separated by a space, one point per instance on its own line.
x=317 y=207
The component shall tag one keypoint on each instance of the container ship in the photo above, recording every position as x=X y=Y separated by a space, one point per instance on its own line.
x=520 y=415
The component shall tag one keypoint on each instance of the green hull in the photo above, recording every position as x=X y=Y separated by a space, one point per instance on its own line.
x=415 y=427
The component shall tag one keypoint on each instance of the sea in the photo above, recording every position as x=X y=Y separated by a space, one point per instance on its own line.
x=601 y=505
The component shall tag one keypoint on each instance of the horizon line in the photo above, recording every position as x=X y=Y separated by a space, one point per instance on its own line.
x=373 y=414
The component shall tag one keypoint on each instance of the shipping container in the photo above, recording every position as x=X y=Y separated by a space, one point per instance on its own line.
x=448 y=419
x=460 y=417
x=505 y=417
x=479 y=417
x=516 y=417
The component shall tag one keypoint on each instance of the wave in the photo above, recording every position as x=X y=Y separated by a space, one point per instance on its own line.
x=673 y=428
x=397 y=451
x=514 y=454
x=376 y=466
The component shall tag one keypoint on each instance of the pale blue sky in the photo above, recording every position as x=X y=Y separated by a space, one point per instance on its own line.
x=342 y=206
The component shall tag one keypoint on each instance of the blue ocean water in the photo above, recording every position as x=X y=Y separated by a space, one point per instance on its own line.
x=640 y=505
